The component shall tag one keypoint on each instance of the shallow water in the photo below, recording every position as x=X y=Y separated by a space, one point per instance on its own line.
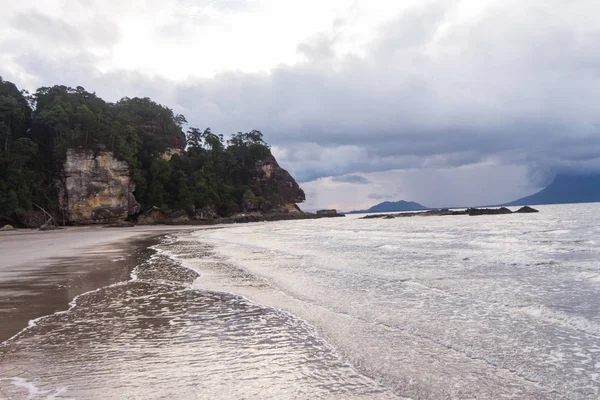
x=459 y=307
x=156 y=336
x=438 y=307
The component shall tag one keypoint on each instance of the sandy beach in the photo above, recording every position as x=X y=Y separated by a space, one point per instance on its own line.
x=41 y=272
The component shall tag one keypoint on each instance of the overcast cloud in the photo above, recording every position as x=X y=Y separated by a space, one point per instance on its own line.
x=454 y=102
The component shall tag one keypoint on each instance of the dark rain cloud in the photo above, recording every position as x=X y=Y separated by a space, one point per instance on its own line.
x=361 y=180
x=378 y=196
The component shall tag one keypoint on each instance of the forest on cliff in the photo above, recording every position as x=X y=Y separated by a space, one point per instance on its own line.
x=37 y=129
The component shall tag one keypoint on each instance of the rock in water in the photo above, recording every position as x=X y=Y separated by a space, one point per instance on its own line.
x=95 y=187
x=7 y=228
x=329 y=213
x=526 y=209
x=488 y=211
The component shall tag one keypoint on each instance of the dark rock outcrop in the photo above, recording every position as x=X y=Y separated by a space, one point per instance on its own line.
x=155 y=215
x=487 y=211
x=206 y=213
x=430 y=213
x=157 y=129
x=30 y=218
x=274 y=184
x=120 y=224
x=251 y=204
x=247 y=217
x=152 y=216
x=526 y=210
x=178 y=217
x=329 y=213
x=445 y=212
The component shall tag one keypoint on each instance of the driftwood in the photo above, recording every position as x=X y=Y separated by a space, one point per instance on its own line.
x=50 y=218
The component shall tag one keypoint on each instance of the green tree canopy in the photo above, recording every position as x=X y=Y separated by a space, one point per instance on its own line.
x=172 y=170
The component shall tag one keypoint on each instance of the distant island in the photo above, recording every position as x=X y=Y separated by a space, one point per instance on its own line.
x=392 y=206
x=565 y=189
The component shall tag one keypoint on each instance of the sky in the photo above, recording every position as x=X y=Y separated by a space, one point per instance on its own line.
x=447 y=103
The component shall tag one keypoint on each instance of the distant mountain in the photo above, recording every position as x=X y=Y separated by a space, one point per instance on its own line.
x=389 y=206
x=565 y=189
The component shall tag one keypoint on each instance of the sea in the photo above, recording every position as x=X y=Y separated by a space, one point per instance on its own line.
x=448 y=307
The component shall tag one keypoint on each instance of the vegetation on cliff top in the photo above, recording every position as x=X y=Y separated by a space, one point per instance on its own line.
x=37 y=129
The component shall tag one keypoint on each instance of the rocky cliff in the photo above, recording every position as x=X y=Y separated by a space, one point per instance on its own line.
x=95 y=187
x=276 y=185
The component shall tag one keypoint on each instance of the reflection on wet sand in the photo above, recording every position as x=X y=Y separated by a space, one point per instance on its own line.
x=43 y=291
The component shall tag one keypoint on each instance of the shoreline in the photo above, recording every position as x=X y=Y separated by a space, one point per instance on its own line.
x=42 y=272
x=159 y=317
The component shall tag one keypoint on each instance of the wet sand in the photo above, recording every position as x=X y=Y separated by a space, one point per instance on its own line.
x=41 y=272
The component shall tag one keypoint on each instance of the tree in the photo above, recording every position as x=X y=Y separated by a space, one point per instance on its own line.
x=36 y=131
x=194 y=138
x=12 y=114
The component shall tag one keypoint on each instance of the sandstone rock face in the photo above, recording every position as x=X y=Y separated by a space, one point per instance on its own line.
x=95 y=187
x=170 y=152
x=292 y=208
x=275 y=184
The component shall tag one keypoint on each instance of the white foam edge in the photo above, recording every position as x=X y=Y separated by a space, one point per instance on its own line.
x=73 y=303
x=33 y=390
x=310 y=326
